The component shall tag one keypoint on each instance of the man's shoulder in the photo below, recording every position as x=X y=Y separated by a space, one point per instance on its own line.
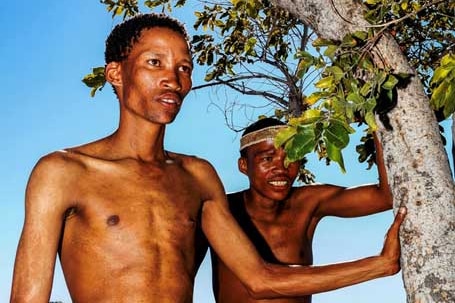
x=59 y=162
x=314 y=188
x=192 y=162
x=313 y=193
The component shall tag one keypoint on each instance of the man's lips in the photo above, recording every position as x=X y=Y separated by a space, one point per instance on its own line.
x=169 y=99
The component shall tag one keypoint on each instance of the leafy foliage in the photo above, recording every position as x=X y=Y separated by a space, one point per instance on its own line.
x=126 y=7
x=257 y=49
x=249 y=46
x=424 y=29
x=442 y=86
x=95 y=80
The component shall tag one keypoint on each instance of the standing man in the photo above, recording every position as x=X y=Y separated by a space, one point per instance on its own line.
x=281 y=219
x=128 y=219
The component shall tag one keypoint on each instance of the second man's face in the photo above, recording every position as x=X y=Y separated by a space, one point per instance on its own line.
x=264 y=166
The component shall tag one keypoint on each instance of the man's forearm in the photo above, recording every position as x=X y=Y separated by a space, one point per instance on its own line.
x=280 y=281
x=306 y=280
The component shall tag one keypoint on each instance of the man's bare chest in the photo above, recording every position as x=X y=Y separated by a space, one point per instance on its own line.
x=288 y=239
x=121 y=202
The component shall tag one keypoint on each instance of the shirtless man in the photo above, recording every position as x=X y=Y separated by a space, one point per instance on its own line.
x=281 y=219
x=129 y=219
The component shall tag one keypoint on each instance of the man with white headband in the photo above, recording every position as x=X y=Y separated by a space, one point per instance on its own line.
x=281 y=219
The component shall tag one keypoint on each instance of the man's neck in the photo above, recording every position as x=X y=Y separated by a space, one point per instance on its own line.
x=260 y=207
x=141 y=141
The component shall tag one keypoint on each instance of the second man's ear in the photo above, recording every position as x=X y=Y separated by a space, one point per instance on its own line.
x=112 y=73
x=243 y=165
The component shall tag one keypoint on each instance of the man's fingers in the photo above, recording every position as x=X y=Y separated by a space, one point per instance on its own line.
x=399 y=217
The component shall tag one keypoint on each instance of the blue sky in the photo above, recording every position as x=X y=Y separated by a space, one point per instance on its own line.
x=46 y=49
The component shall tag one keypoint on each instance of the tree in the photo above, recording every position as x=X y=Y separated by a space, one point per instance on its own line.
x=417 y=165
x=362 y=71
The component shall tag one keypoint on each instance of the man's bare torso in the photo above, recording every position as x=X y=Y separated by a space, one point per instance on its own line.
x=130 y=229
x=282 y=238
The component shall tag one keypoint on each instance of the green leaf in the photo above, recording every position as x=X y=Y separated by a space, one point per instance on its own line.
x=209 y=76
x=366 y=89
x=334 y=154
x=302 y=144
x=371 y=121
x=439 y=75
x=356 y=98
x=362 y=35
x=336 y=134
x=370 y=104
x=284 y=135
x=308 y=117
x=380 y=77
x=314 y=97
x=330 y=51
x=349 y=41
x=439 y=94
x=366 y=64
x=326 y=82
x=449 y=104
x=390 y=83
x=337 y=72
x=448 y=59
x=319 y=42
x=95 y=80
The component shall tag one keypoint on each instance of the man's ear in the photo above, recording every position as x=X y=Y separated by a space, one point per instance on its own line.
x=112 y=73
x=243 y=165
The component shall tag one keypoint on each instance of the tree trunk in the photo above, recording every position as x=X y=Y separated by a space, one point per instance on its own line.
x=418 y=170
x=453 y=142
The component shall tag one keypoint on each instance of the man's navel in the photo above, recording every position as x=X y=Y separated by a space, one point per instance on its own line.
x=70 y=212
x=113 y=220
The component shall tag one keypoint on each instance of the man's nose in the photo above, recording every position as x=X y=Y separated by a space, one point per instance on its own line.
x=170 y=80
x=278 y=164
x=279 y=160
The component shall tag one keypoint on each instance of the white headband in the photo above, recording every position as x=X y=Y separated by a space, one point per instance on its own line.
x=260 y=135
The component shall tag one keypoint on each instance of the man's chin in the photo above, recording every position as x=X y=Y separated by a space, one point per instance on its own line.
x=279 y=195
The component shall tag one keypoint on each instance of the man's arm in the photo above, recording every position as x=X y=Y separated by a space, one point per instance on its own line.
x=36 y=253
x=265 y=280
x=356 y=201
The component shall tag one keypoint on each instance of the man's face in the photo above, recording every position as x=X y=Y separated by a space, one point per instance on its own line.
x=155 y=77
x=264 y=166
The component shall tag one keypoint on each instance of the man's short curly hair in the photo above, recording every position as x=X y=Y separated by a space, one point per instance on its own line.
x=125 y=34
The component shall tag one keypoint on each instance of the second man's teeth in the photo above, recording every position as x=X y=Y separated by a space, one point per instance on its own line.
x=278 y=183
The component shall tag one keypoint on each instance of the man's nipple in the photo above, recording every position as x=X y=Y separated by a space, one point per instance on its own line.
x=113 y=220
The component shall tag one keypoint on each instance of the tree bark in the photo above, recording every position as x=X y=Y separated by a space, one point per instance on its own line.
x=418 y=169
x=453 y=142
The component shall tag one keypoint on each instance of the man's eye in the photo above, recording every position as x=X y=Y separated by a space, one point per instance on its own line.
x=154 y=62
x=185 y=69
x=268 y=159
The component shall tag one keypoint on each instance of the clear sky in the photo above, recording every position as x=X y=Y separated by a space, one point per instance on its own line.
x=45 y=50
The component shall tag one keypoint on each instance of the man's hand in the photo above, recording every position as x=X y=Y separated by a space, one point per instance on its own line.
x=391 y=250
